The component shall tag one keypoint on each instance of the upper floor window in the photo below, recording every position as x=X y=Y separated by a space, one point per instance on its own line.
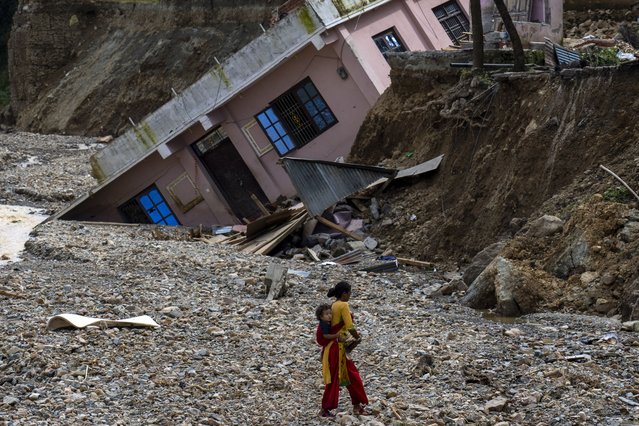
x=389 y=41
x=452 y=19
x=296 y=117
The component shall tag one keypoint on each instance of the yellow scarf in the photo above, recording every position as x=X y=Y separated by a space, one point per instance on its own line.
x=344 y=380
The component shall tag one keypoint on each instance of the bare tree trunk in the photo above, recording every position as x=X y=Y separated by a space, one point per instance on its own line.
x=518 y=50
x=478 y=35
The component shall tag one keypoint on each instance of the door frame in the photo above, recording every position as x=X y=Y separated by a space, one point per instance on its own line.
x=224 y=192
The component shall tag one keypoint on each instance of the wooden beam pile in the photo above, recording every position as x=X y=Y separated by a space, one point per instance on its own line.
x=265 y=233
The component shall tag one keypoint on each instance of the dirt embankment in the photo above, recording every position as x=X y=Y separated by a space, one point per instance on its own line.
x=515 y=148
x=85 y=67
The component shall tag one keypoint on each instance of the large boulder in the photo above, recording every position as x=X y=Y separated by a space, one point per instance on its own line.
x=630 y=232
x=573 y=259
x=510 y=288
x=629 y=302
x=545 y=226
x=481 y=260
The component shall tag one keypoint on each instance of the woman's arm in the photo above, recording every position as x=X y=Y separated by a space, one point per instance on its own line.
x=334 y=336
x=347 y=319
x=355 y=334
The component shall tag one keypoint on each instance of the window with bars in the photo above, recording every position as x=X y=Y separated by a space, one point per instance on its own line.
x=452 y=19
x=389 y=41
x=296 y=117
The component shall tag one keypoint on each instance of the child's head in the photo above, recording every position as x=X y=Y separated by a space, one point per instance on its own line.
x=324 y=312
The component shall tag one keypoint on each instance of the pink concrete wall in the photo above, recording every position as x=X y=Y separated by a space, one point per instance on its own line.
x=161 y=172
x=423 y=10
x=131 y=183
x=414 y=22
x=344 y=98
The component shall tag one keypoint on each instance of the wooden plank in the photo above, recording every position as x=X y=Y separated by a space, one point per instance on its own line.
x=239 y=239
x=285 y=233
x=413 y=262
x=258 y=225
x=215 y=239
x=353 y=256
x=339 y=228
x=255 y=244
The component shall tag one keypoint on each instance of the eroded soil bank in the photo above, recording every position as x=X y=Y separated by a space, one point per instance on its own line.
x=517 y=147
x=88 y=67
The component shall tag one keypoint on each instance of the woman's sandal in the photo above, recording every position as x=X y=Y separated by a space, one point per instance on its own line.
x=358 y=410
x=326 y=413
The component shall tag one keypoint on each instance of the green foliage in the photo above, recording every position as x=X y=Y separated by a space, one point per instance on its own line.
x=536 y=57
x=466 y=73
x=617 y=194
x=485 y=77
x=602 y=57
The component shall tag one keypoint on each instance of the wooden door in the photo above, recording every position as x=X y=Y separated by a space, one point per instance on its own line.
x=234 y=179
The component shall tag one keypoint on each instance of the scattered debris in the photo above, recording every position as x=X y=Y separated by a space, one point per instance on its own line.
x=105 y=139
x=579 y=358
x=496 y=404
x=629 y=401
x=335 y=233
x=79 y=321
x=275 y=281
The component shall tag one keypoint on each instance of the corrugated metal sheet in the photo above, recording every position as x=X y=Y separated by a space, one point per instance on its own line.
x=320 y=184
x=419 y=169
x=565 y=56
x=557 y=55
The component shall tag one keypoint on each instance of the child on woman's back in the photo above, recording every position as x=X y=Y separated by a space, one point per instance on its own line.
x=324 y=314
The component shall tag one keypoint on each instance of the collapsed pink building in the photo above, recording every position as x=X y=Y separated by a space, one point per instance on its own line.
x=210 y=155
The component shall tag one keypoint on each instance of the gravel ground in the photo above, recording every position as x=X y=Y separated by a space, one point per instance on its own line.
x=223 y=355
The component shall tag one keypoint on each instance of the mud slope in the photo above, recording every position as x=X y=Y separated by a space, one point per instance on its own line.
x=510 y=145
x=85 y=67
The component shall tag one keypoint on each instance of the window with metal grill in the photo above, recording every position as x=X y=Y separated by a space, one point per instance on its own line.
x=296 y=117
x=452 y=19
x=389 y=41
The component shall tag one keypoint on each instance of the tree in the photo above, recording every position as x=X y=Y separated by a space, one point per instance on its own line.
x=518 y=50
x=478 y=35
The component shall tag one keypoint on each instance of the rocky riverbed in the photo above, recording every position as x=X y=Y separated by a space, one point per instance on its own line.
x=224 y=355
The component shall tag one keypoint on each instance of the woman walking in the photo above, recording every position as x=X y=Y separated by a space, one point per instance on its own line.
x=338 y=370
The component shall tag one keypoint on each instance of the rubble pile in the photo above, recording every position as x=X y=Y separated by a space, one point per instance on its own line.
x=44 y=170
x=224 y=354
x=603 y=37
x=600 y=23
